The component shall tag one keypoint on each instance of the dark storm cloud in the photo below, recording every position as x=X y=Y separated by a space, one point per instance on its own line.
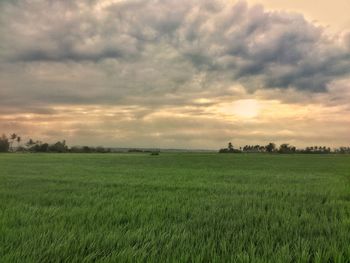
x=279 y=49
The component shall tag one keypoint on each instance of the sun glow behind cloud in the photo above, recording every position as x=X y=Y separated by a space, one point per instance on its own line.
x=247 y=108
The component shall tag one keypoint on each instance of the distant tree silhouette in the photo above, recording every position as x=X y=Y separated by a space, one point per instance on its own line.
x=343 y=150
x=271 y=147
x=44 y=147
x=13 y=137
x=230 y=146
x=4 y=143
x=59 y=147
x=229 y=149
x=18 y=141
x=286 y=148
x=30 y=143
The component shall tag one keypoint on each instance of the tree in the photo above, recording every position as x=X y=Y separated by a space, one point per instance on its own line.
x=230 y=147
x=4 y=144
x=30 y=143
x=59 y=147
x=13 y=137
x=286 y=148
x=18 y=140
x=271 y=147
x=86 y=149
x=44 y=147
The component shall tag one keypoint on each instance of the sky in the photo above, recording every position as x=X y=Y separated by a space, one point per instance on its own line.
x=176 y=73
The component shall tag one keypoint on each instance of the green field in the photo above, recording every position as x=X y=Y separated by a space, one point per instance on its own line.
x=174 y=208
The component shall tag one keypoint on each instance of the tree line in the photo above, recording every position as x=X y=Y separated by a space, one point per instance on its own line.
x=283 y=148
x=13 y=143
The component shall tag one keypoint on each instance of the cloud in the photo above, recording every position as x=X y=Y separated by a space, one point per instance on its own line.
x=247 y=45
x=182 y=59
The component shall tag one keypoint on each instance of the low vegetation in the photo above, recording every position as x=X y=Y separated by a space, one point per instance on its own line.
x=182 y=207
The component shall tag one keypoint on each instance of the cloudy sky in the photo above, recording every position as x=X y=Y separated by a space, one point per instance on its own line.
x=176 y=73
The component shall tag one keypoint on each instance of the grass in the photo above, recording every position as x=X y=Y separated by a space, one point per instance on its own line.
x=174 y=208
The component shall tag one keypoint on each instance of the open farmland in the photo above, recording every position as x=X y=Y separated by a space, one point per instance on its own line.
x=180 y=207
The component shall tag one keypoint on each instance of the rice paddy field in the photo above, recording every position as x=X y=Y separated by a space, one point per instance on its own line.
x=183 y=207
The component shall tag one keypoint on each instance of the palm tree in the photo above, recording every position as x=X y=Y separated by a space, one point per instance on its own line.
x=230 y=146
x=13 y=137
x=18 y=141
